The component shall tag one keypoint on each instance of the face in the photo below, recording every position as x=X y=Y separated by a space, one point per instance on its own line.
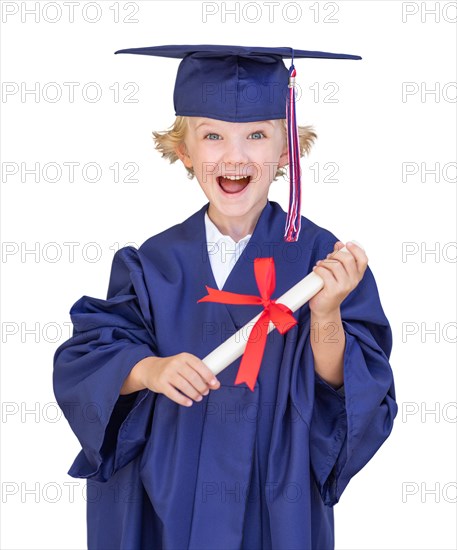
x=234 y=163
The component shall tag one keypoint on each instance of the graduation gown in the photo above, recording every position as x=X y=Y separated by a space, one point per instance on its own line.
x=240 y=469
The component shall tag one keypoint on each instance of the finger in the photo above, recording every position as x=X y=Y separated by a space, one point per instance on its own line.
x=349 y=246
x=194 y=378
x=337 y=246
x=204 y=371
x=353 y=272
x=326 y=275
x=187 y=388
x=176 y=396
x=348 y=262
x=338 y=270
x=361 y=258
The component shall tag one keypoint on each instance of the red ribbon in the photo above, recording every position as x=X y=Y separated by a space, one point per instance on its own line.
x=279 y=314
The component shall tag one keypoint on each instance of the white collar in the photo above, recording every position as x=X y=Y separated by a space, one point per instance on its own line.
x=213 y=235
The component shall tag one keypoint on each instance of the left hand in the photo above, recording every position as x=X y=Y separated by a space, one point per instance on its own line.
x=341 y=273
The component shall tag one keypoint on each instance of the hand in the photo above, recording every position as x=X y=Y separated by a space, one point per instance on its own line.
x=341 y=274
x=167 y=375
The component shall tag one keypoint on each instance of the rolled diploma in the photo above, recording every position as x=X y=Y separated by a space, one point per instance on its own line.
x=294 y=298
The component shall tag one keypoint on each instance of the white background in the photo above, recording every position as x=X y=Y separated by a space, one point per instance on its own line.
x=369 y=132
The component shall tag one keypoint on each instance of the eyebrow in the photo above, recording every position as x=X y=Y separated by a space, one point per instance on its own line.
x=201 y=124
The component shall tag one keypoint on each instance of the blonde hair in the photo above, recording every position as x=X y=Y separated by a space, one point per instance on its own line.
x=168 y=140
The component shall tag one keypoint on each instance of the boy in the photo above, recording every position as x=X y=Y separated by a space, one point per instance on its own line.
x=169 y=463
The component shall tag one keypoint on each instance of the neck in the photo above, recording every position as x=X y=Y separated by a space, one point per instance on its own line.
x=236 y=227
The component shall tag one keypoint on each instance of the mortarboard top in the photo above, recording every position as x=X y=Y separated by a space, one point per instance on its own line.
x=231 y=83
x=241 y=84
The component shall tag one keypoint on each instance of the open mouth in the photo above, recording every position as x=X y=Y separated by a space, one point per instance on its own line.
x=233 y=184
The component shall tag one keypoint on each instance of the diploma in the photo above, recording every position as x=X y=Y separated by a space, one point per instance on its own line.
x=294 y=298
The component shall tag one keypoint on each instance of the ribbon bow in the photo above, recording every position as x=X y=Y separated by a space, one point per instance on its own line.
x=279 y=314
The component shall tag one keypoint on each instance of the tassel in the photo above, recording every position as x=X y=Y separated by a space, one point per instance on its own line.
x=293 y=221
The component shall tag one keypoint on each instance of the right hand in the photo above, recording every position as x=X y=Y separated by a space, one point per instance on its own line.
x=167 y=375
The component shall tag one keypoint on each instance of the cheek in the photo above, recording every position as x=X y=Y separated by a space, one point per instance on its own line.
x=202 y=153
x=205 y=170
x=269 y=162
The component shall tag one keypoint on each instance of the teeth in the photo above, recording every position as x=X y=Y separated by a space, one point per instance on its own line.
x=235 y=178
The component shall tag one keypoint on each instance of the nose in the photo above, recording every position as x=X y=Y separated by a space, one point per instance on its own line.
x=234 y=155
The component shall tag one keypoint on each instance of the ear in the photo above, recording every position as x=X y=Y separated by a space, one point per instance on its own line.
x=183 y=155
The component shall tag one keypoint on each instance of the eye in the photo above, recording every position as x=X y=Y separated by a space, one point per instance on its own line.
x=212 y=136
x=256 y=135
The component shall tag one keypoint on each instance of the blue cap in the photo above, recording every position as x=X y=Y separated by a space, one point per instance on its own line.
x=232 y=83
x=242 y=84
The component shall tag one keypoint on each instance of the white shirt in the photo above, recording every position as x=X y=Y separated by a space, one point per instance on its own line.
x=223 y=251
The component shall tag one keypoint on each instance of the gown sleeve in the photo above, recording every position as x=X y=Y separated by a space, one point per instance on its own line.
x=109 y=337
x=349 y=424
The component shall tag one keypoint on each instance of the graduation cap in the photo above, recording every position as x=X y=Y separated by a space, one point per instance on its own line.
x=242 y=84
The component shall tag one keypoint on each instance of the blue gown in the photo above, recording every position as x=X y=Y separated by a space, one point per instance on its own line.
x=240 y=469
